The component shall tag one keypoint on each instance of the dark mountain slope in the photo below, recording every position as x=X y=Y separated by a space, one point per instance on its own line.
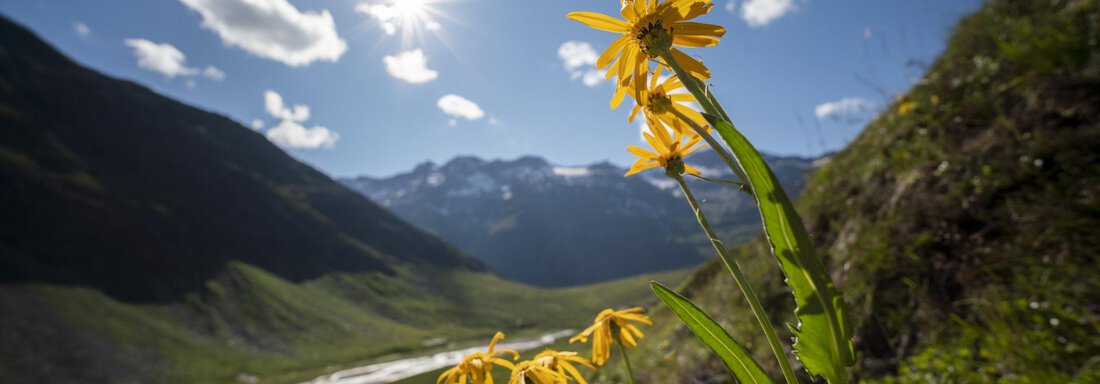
x=109 y=185
x=963 y=224
x=552 y=226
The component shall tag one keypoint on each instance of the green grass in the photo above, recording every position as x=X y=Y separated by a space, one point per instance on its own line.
x=248 y=321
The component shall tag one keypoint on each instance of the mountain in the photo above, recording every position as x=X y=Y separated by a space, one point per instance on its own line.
x=962 y=225
x=143 y=240
x=554 y=225
x=115 y=187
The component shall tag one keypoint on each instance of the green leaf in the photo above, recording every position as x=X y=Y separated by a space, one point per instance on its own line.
x=823 y=337
x=737 y=359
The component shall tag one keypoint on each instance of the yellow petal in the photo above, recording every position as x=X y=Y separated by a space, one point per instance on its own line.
x=690 y=64
x=642 y=153
x=611 y=52
x=688 y=28
x=692 y=170
x=617 y=99
x=694 y=41
x=633 y=113
x=692 y=114
x=600 y=21
x=633 y=170
x=627 y=12
x=686 y=10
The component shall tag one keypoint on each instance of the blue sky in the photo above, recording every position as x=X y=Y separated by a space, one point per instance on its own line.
x=488 y=77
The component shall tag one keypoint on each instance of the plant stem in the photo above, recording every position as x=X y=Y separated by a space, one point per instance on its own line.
x=692 y=84
x=716 y=146
x=629 y=369
x=743 y=284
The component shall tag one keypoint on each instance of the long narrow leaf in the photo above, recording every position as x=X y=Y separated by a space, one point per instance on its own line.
x=823 y=336
x=737 y=359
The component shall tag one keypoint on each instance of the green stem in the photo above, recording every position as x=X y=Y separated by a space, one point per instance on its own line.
x=629 y=369
x=692 y=84
x=715 y=145
x=743 y=284
x=740 y=186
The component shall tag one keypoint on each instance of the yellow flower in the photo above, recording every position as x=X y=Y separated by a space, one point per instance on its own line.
x=562 y=363
x=906 y=107
x=668 y=151
x=658 y=103
x=476 y=368
x=531 y=372
x=650 y=28
x=604 y=326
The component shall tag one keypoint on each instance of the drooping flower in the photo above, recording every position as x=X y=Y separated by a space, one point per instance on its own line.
x=531 y=372
x=650 y=28
x=477 y=367
x=562 y=363
x=668 y=151
x=658 y=102
x=604 y=327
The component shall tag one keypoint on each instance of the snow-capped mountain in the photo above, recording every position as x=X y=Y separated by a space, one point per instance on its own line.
x=556 y=225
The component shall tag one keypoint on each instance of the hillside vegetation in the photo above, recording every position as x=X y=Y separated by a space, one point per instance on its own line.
x=963 y=224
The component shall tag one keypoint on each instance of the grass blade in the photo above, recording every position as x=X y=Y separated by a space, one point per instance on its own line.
x=737 y=359
x=823 y=336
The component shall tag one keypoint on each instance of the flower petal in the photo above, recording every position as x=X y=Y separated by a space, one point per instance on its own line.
x=611 y=52
x=600 y=21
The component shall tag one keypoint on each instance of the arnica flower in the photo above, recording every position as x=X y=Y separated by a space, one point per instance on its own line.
x=476 y=368
x=562 y=363
x=658 y=103
x=531 y=372
x=606 y=324
x=668 y=152
x=649 y=29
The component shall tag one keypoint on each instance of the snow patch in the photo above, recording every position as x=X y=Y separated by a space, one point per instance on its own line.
x=572 y=171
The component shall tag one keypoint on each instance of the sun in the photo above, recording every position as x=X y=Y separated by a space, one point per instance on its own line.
x=409 y=18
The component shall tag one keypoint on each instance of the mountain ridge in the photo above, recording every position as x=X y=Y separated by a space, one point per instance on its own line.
x=552 y=225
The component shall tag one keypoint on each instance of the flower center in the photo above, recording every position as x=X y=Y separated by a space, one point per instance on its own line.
x=659 y=103
x=674 y=165
x=653 y=37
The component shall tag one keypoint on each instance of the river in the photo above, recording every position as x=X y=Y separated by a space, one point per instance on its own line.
x=391 y=371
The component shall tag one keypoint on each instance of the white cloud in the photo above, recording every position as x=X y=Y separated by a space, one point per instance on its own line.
x=411 y=66
x=81 y=29
x=579 y=59
x=273 y=104
x=190 y=84
x=256 y=124
x=577 y=54
x=272 y=29
x=758 y=13
x=846 y=107
x=457 y=106
x=161 y=58
x=290 y=134
x=397 y=13
x=731 y=5
x=213 y=73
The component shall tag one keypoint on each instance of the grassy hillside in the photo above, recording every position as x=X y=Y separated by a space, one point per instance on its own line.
x=963 y=224
x=249 y=322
